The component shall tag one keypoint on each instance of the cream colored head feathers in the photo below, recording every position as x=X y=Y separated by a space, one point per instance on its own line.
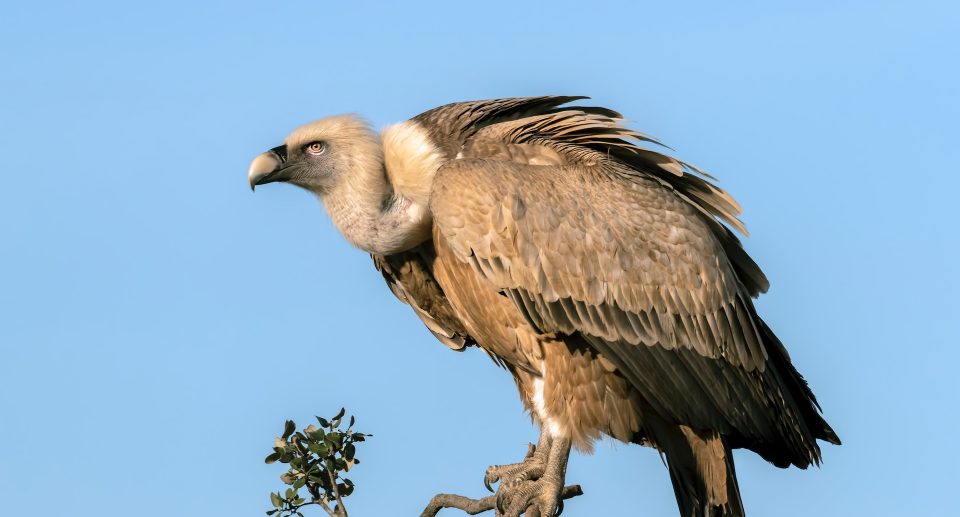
x=351 y=146
x=376 y=189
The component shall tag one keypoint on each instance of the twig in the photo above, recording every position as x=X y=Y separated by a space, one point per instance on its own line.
x=475 y=506
x=326 y=508
x=341 y=511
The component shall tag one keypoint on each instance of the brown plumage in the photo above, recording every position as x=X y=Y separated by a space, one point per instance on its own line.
x=599 y=272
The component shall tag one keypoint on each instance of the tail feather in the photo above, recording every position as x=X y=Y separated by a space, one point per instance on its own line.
x=702 y=472
x=799 y=391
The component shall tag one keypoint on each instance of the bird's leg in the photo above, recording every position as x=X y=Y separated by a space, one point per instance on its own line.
x=530 y=468
x=538 y=497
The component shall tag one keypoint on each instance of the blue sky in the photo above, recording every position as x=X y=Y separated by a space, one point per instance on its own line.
x=152 y=309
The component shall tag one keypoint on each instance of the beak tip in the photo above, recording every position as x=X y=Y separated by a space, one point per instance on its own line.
x=262 y=167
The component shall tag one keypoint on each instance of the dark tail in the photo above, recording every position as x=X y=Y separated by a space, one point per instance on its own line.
x=702 y=472
x=799 y=391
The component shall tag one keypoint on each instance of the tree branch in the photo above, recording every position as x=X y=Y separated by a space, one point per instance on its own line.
x=475 y=506
x=341 y=510
x=326 y=508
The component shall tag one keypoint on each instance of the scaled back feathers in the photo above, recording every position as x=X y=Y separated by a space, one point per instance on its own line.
x=595 y=133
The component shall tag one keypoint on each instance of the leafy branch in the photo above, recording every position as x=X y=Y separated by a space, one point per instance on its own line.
x=318 y=458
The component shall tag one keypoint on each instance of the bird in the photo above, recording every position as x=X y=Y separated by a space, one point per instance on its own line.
x=603 y=273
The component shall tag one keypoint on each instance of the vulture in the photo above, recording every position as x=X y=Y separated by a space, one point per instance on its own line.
x=601 y=272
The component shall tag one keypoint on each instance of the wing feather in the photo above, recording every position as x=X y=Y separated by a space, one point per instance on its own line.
x=635 y=269
x=654 y=279
x=411 y=280
x=592 y=133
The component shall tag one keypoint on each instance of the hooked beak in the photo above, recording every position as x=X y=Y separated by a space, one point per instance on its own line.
x=267 y=167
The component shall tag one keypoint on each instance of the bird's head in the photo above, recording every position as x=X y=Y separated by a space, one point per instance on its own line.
x=320 y=155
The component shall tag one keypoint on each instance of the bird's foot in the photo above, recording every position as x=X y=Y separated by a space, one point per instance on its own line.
x=533 y=498
x=532 y=487
x=530 y=468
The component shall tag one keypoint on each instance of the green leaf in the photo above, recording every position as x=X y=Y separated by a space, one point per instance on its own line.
x=276 y=500
x=299 y=483
x=288 y=428
x=272 y=458
x=323 y=422
x=334 y=439
x=290 y=495
x=352 y=420
x=339 y=416
x=349 y=451
x=271 y=512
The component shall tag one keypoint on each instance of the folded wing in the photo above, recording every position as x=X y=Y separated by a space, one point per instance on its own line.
x=623 y=248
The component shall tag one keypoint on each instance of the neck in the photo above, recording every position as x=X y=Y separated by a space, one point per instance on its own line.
x=382 y=205
x=373 y=217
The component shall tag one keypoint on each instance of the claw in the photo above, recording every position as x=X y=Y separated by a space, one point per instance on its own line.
x=492 y=475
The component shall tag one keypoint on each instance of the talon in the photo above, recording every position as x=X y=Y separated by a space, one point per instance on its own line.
x=489 y=478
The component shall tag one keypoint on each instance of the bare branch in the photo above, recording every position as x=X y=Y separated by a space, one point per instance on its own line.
x=341 y=510
x=325 y=507
x=475 y=506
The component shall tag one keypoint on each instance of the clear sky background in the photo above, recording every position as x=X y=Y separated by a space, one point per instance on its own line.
x=158 y=321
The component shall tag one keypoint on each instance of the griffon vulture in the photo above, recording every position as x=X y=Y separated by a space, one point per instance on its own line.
x=601 y=273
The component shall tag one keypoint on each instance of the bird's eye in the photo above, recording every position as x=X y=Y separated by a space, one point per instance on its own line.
x=315 y=148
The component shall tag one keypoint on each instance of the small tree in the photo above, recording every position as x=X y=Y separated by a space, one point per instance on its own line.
x=318 y=458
